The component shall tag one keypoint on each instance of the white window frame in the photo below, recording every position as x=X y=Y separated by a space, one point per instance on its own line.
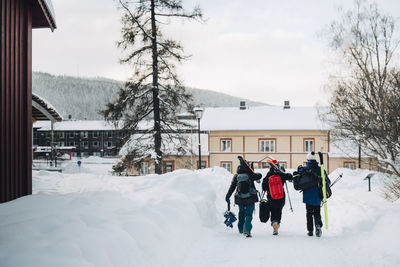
x=144 y=168
x=224 y=145
x=262 y=143
x=85 y=144
x=349 y=164
x=84 y=134
x=227 y=165
x=307 y=145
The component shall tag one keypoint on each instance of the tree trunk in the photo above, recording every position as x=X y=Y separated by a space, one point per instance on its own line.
x=156 y=102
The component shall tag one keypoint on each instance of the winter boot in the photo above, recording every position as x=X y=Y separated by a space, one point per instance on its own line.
x=310 y=233
x=247 y=235
x=318 y=231
x=275 y=225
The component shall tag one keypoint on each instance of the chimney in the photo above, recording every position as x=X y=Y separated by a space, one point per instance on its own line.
x=286 y=104
x=242 y=105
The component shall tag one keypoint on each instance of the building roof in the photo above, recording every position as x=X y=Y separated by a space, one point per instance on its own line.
x=43 y=110
x=261 y=118
x=43 y=15
x=75 y=126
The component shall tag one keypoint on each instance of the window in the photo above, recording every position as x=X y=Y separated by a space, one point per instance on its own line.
x=97 y=154
x=85 y=154
x=203 y=164
x=71 y=134
x=309 y=145
x=95 y=134
x=108 y=144
x=84 y=134
x=60 y=134
x=60 y=144
x=108 y=133
x=144 y=168
x=267 y=145
x=85 y=144
x=95 y=143
x=226 y=145
x=168 y=166
x=74 y=154
x=71 y=143
x=227 y=165
x=350 y=165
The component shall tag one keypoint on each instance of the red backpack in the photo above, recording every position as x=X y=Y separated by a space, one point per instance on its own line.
x=275 y=187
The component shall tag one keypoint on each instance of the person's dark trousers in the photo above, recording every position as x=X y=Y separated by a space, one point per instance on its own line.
x=245 y=217
x=313 y=217
x=276 y=210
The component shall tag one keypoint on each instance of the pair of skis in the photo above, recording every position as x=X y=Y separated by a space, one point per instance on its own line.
x=321 y=160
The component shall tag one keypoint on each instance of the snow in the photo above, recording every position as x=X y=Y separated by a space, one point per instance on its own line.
x=85 y=217
x=262 y=118
x=71 y=125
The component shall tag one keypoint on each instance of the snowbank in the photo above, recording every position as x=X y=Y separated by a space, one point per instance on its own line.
x=175 y=219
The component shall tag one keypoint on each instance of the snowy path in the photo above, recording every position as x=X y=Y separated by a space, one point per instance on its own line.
x=361 y=233
x=85 y=218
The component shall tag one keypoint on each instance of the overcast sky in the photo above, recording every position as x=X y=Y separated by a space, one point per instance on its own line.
x=263 y=50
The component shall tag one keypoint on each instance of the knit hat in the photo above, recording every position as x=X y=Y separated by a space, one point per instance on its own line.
x=311 y=156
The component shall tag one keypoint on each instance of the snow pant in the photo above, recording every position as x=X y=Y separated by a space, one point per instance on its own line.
x=276 y=209
x=313 y=217
x=245 y=217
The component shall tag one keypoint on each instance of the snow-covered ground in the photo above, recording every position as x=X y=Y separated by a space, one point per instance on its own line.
x=85 y=217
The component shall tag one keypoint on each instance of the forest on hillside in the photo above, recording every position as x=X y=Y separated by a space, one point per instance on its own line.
x=83 y=98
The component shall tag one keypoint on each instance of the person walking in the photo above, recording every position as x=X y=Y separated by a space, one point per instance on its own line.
x=311 y=197
x=273 y=184
x=245 y=195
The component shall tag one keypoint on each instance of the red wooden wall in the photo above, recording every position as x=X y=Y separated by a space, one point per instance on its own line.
x=15 y=100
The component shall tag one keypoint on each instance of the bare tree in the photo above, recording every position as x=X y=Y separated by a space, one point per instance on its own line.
x=365 y=105
x=154 y=92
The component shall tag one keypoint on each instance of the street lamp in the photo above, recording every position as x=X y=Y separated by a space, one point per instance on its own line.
x=361 y=108
x=199 y=113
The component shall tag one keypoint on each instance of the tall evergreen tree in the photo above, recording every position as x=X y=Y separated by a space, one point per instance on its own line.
x=154 y=92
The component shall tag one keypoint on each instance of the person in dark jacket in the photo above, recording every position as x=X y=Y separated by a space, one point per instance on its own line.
x=245 y=201
x=276 y=204
x=311 y=197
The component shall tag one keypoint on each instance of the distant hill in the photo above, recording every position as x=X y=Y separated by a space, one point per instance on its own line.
x=83 y=98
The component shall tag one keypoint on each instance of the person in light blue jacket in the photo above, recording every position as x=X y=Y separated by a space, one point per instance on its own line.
x=311 y=197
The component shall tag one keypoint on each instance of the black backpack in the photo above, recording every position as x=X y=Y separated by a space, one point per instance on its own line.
x=306 y=180
x=328 y=188
x=244 y=186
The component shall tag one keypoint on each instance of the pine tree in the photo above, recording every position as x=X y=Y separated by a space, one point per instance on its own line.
x=154 y=92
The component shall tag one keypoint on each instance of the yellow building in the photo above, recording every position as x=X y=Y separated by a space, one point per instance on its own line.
x=258 y=134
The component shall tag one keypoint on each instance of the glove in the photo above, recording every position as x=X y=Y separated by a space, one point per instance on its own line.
x=257 y=176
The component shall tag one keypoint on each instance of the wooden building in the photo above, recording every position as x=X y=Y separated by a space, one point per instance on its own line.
x=18 y=18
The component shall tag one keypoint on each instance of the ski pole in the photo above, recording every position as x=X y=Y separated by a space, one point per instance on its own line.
x=337 y=179
x=290 y=202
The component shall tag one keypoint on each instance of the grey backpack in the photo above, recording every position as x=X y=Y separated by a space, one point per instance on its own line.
x=244 y=186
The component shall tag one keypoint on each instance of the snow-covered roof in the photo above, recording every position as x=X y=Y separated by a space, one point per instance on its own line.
x=43 y=110
x=261 y=118
x=84 y=125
